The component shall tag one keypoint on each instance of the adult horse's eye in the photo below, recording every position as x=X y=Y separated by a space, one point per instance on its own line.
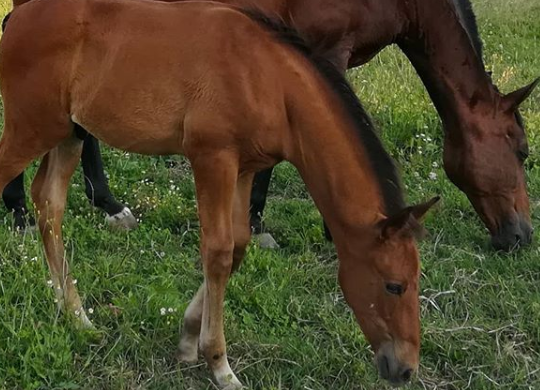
x=394 y=288
x=523 y=154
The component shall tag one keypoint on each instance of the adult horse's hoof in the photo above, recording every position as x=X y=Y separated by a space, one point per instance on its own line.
x=266 y=241
x=124 y=220
x=23 y=223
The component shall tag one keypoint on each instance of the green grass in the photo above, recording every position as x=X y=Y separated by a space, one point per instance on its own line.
x=286 y=322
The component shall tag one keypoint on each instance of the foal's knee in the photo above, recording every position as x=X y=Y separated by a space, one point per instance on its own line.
x=218 y=257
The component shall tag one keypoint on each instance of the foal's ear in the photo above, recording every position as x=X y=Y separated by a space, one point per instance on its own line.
x=512 y=101
x=407 y=222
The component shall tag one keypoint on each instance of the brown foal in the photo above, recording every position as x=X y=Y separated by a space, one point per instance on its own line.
x=235 y=93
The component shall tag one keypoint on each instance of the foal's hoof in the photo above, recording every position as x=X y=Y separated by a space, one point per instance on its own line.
x=266 y=241
x=82 y=321
x=124 y=220
x=187 y=354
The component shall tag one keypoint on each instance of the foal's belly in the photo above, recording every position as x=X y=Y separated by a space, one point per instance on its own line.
x=133 y=134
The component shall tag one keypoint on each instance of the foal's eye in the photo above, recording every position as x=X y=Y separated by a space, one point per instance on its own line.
x=394 y=288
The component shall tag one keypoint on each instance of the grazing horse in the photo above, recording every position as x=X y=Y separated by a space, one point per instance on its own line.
x=235 y=93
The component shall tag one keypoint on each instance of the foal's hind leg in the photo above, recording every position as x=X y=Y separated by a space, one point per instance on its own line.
x=49 y=191
x=191 y=328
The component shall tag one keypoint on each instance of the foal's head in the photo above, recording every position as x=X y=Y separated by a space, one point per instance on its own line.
x=486 y=162
x=380 y=284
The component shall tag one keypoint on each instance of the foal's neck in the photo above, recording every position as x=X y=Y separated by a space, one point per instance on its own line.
x=440 y=49
x=333 y=163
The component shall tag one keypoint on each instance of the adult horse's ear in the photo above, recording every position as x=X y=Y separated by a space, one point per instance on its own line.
x=407 y=221
x=512 y=101
x=419 y=211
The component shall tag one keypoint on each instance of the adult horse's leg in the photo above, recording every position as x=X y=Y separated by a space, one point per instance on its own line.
x=191 y=328
x=49 y=192
x=14 y=198
x=97 y=187
x=259 y=193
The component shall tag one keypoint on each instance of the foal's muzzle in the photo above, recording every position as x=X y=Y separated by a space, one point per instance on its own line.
x=390 y=368
x=512 y=234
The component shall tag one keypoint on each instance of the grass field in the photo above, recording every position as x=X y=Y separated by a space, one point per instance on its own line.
x=286 y=321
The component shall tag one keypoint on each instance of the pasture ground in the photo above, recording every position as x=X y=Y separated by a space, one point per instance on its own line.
x=286 y=322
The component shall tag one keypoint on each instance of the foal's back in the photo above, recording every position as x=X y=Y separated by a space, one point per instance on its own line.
x=163 y=69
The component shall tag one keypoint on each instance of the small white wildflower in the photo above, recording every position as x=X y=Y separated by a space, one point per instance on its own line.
x=55 y=300
x=435 y=165
x=163 y=311
x=142 y=251
x=170 y=309
x=33 y=259
x=78 y=312
x=432 y=176
x=416 y=174
x=74 y=281
x=49 y=283
x=161 y=254
x=90 y=311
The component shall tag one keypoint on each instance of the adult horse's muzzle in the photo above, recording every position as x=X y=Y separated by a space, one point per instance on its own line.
x=512 y=234
x=391 y=367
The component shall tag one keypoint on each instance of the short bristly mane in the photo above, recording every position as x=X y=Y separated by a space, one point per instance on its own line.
x=467 y=18
x=381 y=163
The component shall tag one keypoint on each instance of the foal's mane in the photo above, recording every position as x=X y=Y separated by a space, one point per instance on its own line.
x=381 y=163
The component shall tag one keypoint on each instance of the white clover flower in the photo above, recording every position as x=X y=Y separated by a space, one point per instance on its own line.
x=49 y=283
x=170 y=309
x=90 y=311
x=416 y=174
x=78 y=312
x=163 y=311
x=74 y=281
x=435 y=165
x=432 y=176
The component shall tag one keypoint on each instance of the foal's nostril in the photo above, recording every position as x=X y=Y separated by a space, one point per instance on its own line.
x=406 y=375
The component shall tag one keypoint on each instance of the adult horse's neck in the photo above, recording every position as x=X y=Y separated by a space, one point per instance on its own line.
x=333 y=145
x=441 y=50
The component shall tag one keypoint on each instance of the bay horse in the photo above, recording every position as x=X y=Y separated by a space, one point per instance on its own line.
x=235 y=92
x=485 y=145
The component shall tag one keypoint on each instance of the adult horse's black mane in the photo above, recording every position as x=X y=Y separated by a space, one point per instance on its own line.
x=467 y=18
x=382 y=164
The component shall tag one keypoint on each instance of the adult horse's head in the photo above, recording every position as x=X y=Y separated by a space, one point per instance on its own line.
x=486 y=162
x=380 y=284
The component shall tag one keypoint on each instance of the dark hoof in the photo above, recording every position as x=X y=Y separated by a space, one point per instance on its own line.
x=23 y=223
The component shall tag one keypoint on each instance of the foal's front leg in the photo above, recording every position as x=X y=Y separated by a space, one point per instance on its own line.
x=215 y=179
x=191 y=327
